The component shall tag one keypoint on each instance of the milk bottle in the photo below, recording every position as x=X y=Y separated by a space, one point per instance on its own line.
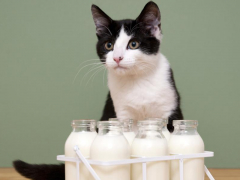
x=110 y=144
x=83 y=134
x=186 y=140
x=165 y=131
x=150 y=142
x=128 y=131
x=127 y=128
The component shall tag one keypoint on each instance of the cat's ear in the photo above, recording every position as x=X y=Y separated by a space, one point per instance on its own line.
x=101 y=20
x=150 y=18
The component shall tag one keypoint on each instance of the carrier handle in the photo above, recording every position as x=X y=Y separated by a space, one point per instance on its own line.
x=86 y=163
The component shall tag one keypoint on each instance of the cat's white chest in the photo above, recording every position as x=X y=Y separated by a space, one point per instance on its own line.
x=148 y=96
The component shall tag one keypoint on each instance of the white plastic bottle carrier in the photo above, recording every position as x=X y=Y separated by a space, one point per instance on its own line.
x=81 y=161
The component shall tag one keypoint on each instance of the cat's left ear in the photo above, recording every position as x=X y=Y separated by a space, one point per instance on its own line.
x=150 y=19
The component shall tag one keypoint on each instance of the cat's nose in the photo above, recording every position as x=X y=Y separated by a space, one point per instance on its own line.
x=118 y=59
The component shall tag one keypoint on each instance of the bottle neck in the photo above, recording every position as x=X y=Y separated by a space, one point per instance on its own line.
x=163 y=122
x=83 y=125
x=127 y=127
x=149 y=132
x=83 y=129
x=185 y=130
x=111 y=131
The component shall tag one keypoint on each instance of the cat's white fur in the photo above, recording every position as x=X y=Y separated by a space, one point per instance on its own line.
x=139 y=85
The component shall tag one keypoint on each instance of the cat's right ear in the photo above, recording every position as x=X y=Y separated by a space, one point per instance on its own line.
x=102 y=21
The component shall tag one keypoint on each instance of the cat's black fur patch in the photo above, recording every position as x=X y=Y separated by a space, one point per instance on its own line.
x=108 y=111
x=177 y=112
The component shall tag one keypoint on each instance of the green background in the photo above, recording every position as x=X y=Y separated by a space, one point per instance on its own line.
x=44 y=42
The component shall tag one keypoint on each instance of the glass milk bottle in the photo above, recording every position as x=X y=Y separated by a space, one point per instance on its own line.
x=150 y=142
x=128 y=131
x=186 y=140
x=83 y=134
x=127 y=128
x=110 y=144
x=165 y=131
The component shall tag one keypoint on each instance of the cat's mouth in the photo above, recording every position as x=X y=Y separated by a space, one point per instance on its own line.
x=120 y=67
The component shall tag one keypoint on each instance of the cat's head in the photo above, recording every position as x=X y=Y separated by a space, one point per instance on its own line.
x=129 y=47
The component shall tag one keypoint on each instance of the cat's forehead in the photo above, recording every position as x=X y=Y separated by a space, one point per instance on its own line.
x=122 y=39
x=128 y=26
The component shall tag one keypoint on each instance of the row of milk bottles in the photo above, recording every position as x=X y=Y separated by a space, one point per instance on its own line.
x=116 y=140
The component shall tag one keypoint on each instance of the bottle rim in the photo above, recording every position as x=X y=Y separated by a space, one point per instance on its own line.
x=150 y=123
x=113 y=119
x=127 y=121
x=108 y=123
x=186 y=123
x=124 y=120
x=159 y=119
x=83 y=123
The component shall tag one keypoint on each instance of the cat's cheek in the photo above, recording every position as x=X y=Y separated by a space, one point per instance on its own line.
x=109 y=60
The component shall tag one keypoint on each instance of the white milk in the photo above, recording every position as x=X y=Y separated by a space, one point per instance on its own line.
x=187 y=144
x=84 y=141
x=150 y=147
x=107 y=148
x=129 y=136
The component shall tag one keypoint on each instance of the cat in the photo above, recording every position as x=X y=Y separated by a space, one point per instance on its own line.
x=140 y=78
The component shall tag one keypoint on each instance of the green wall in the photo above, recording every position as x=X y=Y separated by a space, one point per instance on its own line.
x=44 y=42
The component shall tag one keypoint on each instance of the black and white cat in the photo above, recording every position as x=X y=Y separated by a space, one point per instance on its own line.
x=140 y=78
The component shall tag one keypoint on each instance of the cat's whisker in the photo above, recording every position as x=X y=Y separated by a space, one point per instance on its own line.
x=89 y=60
x=96 y=72
x=104 y=75
x=83 y=68
x=91 y=70
x=102 y=70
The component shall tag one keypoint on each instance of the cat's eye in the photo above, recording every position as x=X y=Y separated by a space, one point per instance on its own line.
x=133 y=44
x=108 y=46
